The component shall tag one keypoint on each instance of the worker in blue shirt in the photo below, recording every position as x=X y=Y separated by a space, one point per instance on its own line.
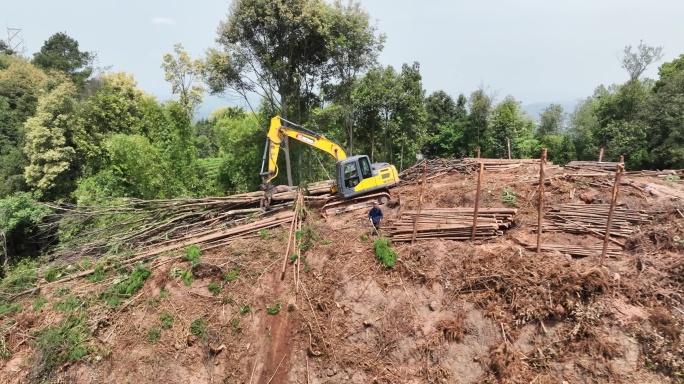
x=375 y=215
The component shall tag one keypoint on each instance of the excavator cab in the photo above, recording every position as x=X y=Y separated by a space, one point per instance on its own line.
x=356 y=176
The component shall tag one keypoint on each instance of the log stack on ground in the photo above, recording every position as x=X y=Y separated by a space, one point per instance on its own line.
x=451 y=224
x=606 y=166
x=504 y=164
x=436 y=168
x=592 y=219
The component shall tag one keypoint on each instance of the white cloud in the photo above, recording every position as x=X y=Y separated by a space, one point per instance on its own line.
x=162 y=21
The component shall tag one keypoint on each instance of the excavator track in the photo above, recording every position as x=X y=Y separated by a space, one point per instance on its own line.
x=337 y=205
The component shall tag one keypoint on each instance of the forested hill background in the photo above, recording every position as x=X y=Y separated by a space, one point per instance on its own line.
x=71 y=134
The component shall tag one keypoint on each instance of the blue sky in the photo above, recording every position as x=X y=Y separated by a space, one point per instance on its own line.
x=535 y=50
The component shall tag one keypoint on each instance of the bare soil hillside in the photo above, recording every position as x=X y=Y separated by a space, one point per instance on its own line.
x=447 y=312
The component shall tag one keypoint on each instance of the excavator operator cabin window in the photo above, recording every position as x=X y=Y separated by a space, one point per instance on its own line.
x=365 y=168
x=351 y=175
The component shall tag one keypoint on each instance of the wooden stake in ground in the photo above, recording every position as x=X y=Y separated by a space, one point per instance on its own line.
x=540 y=212
x=477 y=200
x=420 y=204
x=478 y=152
x=508 y=143
x=600 y=155
x=616 y=189
x=622 y=159
x=289 y=240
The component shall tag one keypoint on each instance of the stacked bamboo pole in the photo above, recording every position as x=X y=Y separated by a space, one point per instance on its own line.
x=436 y=168
x=592 y=219
x=451 y=224
x=593 y=165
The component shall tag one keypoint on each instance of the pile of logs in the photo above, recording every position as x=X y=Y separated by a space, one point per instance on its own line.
x=592 y=219
x=503 y=164
x=592 y=165
x=436 y=168
x=451 y=224
x=661 y=174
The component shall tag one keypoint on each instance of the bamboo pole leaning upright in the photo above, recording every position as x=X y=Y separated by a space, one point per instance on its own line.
x=600 y=155
x=420 y=204
x=613 y=201
x=540 y=208
x=477 y=201
x=289 y=239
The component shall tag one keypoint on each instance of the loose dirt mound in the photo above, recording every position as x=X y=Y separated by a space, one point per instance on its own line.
x=448 y=312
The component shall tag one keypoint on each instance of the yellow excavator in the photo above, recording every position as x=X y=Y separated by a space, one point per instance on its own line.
x=357 y=181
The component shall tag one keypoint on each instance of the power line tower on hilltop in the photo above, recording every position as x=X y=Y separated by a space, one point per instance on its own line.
x=15 y=41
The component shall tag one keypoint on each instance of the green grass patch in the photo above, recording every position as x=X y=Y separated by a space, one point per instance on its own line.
x=264 y=233
x=98 y=274
x=125 y=286
x=69 y=304
x=199 y=328
x=244 y=309
x=185 y=275
x=230 y=276
x=384 y=252
x=6 y=308
x=509 y=197
x=274 y=309
x=166 y=320
x=20 y=278
x=53 y=273
x=187 y=278
x=39 y=302
x=60 y=344
x=214 y=288
x=193 y=254
x=153 y=335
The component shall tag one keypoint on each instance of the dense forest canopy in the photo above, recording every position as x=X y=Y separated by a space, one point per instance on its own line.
x=73 y=135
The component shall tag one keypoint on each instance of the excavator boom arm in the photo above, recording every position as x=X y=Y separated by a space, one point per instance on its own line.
x=301 y=134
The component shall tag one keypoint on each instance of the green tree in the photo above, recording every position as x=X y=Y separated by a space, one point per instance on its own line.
x=509 y=122
x=666 y=117
x=551 y=120
x=240 y=142
x=636 y=63
x=21 y=83
x=269 y=48
x=5 y=49
x=354 y=48
x=112 y=107
x=49 y=147
x=479 y=108
x=442 y=114
x=183 y=72
x=61 y=53
x=19 y=216
x=583 y=126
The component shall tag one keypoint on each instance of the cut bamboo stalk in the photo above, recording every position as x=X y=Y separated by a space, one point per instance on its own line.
x=289 y=241
x=616 y=188
x=540 y=208
x=420 y=203
x=477 y=200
